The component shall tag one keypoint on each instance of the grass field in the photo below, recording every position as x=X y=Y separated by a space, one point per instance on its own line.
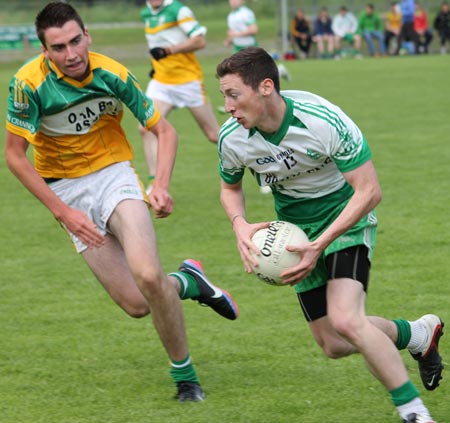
x=69 y=355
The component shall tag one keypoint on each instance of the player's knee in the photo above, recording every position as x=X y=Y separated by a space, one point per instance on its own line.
x=151 y=282
x=336 y=349
x=136 y=309
x=348 y=327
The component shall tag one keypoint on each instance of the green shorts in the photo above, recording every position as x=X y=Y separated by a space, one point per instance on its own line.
x=349 y=38
x=363 y=233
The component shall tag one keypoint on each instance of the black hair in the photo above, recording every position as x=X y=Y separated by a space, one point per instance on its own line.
x=55 y=14
x=253 y=65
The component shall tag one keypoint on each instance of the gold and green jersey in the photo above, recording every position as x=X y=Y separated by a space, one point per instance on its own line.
x=170 y=25
x=75 y=127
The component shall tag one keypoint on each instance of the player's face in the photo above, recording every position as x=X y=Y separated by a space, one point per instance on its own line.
x=155 y=4
x=67 y=47
x=241 y=101
x=234 y=4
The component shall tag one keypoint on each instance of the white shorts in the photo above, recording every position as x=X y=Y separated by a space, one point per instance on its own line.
x=191 y=94
x=98 y=194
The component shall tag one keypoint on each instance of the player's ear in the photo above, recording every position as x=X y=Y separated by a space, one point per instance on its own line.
x=266 y=87
x=88 y=36
x=44 y=51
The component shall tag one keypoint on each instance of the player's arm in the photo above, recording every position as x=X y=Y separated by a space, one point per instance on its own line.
x=189 y=45
x=367 y=194
x=249 y=30
x=159 y=197
x=233 y=202
x=77 y=222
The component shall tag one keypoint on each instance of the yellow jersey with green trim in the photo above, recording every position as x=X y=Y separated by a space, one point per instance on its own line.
x=75 y=127
x=167 y=26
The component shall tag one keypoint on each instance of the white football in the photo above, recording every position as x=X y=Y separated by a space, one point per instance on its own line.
x=273 y=258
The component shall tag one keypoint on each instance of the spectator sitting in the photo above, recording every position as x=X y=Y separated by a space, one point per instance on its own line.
x=442 y=25
x=370 y=26
x=425 y=35
x=392 y=26
x=345 y=27
x=323 y=34
x=301 y=33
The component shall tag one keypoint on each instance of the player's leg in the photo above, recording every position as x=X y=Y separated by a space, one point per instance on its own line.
x=207 y=121
x=131 y=224
x=421 y=338
x=346 y=312
x=314 y=307
x=111 y=269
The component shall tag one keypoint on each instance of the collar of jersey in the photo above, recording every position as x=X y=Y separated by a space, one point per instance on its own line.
x=53 y=68
x=288 y=120
x=156 y=11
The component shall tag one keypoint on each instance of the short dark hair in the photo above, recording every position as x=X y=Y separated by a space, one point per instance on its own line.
x=253 y=65
x=55 y=15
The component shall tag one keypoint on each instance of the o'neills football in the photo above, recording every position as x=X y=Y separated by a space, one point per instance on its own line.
x=274 y=258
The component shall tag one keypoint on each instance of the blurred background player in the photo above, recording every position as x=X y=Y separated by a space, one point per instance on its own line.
x=173 y=35
x=242 y=26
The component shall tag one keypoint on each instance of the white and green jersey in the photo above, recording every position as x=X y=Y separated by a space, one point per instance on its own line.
x=239 y=20
x=302 y=162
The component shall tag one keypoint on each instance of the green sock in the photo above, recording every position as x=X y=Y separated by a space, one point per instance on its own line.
x=183 y=371
x=188 y=284
x=404 y=394
x=404 y=333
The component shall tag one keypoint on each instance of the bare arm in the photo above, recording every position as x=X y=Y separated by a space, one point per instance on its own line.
x=250 y=30
x=159 y=198
x=367 y=194
x=233 y=202
x=76 y=221
x=191 y=44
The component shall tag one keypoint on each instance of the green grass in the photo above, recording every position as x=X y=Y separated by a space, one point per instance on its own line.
x=69 y=355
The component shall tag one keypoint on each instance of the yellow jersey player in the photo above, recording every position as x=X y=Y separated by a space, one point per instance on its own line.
x=67 y=104
x=173 y=35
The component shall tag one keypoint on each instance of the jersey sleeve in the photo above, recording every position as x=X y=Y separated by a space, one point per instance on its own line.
x=23 y=110
x=349 y=148
x=130 y=92
x=231 y=167
x=189 y=24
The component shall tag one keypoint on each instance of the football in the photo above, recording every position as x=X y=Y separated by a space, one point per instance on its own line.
x=274 y=258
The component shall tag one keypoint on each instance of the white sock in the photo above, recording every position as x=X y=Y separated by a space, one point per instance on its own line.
x=419 y=336
x=414 y=406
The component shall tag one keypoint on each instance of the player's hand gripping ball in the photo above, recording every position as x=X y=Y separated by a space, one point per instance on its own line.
x=273 y=258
